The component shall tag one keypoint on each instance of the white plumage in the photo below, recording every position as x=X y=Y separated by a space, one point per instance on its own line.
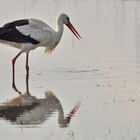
x=39 y=31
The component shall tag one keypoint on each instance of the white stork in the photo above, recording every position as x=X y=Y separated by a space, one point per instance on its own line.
x=28 y=34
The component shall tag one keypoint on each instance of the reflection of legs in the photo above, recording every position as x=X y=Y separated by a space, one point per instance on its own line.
x=13 y=70
x=27 y=72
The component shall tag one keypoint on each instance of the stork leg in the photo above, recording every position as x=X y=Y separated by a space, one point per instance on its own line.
x=13 y=70
x=27 y=72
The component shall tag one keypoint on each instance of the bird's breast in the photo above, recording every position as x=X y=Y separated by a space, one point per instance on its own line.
x=49 y=47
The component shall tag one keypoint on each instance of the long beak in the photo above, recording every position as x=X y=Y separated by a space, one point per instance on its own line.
x=70 y=26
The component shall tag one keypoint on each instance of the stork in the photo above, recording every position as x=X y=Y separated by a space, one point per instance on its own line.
x=28 y=34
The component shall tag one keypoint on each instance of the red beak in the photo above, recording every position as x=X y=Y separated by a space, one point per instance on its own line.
x=70 y=26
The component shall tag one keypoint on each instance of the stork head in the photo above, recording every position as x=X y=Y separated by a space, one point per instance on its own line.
x=66 y=20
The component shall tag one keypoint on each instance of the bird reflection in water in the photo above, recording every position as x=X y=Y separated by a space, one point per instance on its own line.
x=26 y=109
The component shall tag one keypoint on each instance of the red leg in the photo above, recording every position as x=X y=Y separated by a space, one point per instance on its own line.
x=13 y=70
x=27 y=72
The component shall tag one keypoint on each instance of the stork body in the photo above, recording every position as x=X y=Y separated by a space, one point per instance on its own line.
x=28 y=34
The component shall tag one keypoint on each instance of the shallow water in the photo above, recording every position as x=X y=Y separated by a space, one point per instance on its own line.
x=86 y=89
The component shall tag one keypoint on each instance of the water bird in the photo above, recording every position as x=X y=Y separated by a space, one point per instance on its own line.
x=29 y=34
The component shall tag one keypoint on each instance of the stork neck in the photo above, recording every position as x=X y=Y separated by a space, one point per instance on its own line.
x=59 y=28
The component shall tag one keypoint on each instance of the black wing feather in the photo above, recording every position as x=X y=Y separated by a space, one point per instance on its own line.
x=9 y=33
x=17 y=23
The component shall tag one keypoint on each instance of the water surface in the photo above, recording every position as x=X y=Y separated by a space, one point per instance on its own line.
x=97 y=78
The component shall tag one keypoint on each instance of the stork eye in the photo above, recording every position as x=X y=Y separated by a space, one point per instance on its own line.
x=67 y=18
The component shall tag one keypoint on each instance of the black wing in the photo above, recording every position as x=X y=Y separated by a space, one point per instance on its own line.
x=9 y=33
x=17 y=23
